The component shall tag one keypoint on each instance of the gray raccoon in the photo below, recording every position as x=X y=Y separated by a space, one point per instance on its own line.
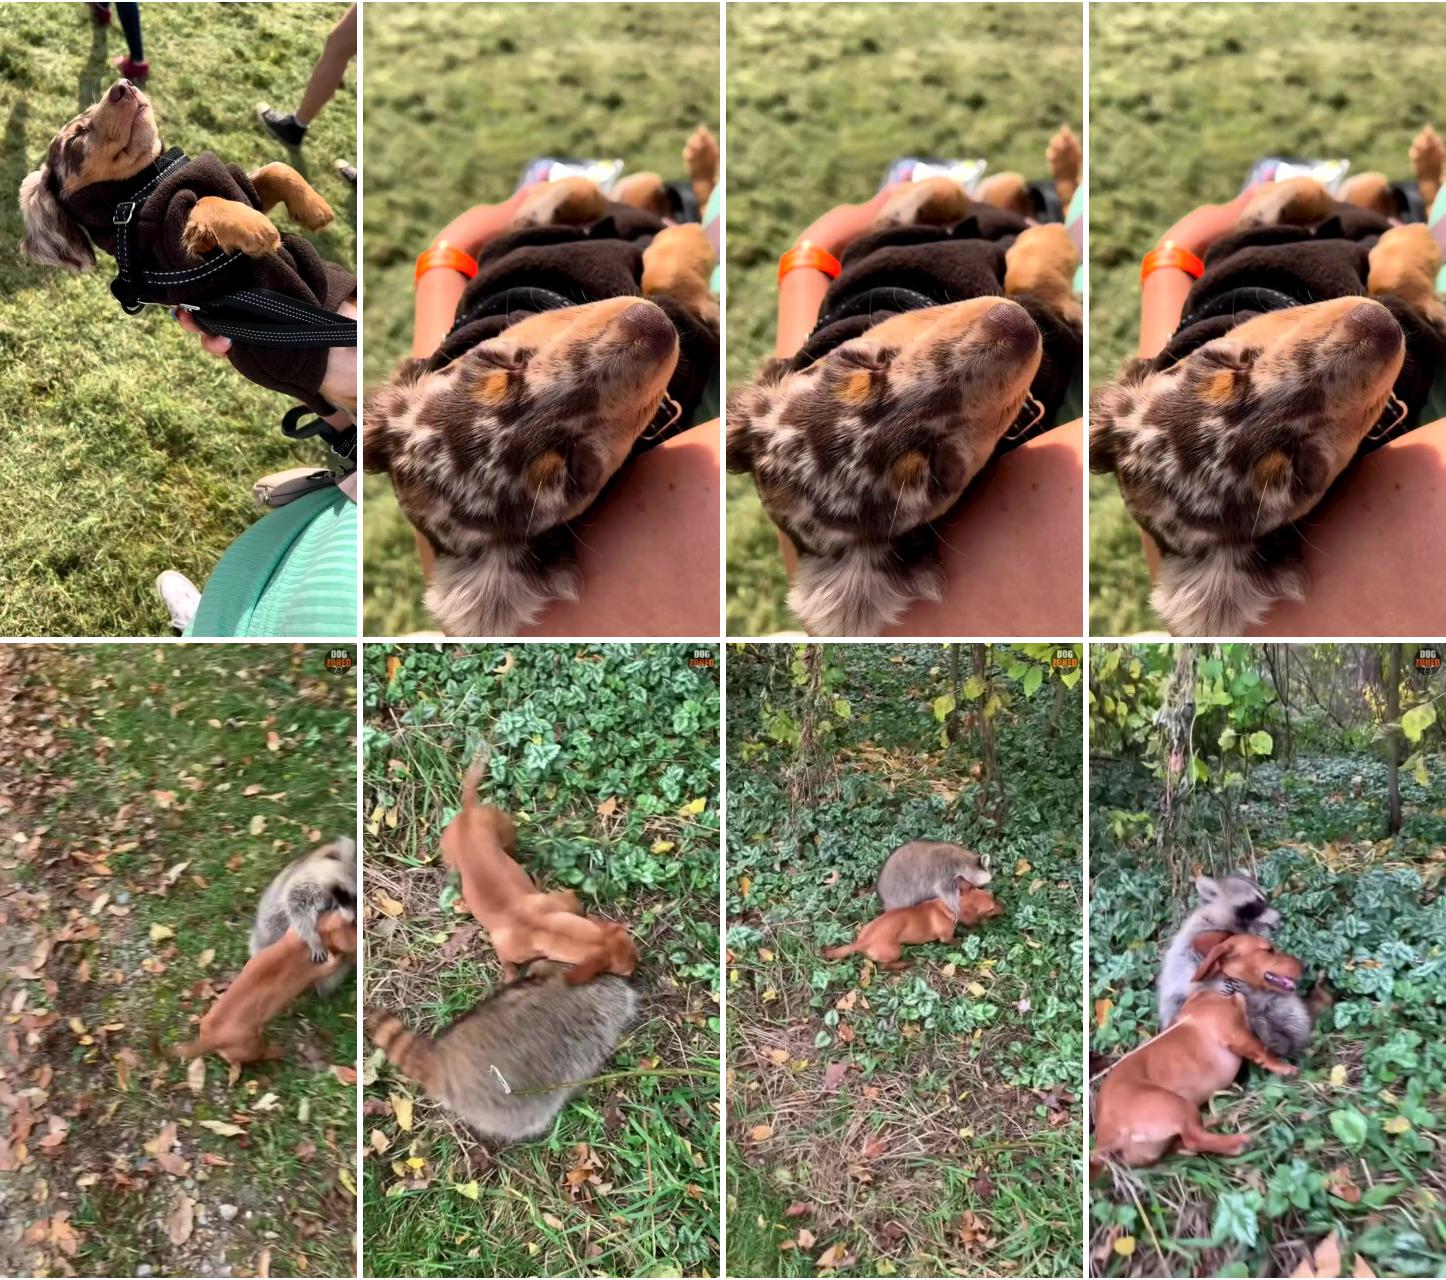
x=508 y=1067
x=302 y=892
x=924 y=869
x=1234 y=904
x=1281 y=1022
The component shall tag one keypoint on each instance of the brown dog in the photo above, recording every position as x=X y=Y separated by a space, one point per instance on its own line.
x=1152 y=1097
x=271 y=980
x=524 y=923
x=884 y=937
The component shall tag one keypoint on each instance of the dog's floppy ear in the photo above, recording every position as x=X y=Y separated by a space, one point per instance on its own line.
x=52 y=237
x=1213 y=947
x=743 y=407
x=378 y=410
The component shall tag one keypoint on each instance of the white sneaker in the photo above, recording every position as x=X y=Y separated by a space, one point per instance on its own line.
x=181 y=597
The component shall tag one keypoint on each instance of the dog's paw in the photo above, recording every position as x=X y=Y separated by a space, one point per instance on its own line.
x=312 y=212
x=227 y=224
x=1065 y=157
x=700 y=156
x=1428 y=156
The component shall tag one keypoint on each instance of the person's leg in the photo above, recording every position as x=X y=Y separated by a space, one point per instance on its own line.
x=134 y=65
x=326 y=78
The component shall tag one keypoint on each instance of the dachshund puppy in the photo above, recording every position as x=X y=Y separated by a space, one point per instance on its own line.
x=885 y=936
x=270 y=981
x=1315 y=333
x=588 y=327
x=1152 y=1097
x=195 y=207
x=951 y=318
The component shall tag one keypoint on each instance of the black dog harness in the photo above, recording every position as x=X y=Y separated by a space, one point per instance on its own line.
x=257 y=317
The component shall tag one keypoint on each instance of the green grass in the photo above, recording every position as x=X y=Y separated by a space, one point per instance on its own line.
x=127 y=450
x=950 y=1144
x=144 y=777
x=1352 y=1145
x=470 y=96
x=821 y=99
x=1183 y=100
x=601 y=754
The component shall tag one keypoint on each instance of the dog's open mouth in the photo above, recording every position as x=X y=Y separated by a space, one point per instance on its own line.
x=1279 y=982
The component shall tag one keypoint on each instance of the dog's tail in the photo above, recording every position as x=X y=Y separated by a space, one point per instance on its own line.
x=838 y=953
x=861 y=591
x=410 y=1053
x=1224 y=590
x=476 y=771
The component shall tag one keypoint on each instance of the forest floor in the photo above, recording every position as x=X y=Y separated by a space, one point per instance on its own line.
x=147 y=795
x=918 y=1123
x=1346 y=1165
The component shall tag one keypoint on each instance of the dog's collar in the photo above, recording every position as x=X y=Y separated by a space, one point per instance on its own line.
x=896 y=300
x=116 y=203
x=521 y=301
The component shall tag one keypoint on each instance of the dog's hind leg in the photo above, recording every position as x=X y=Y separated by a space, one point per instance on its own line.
x=1404 y=264
x=1293 y=202
x=700 y=159
x=934 y=201
x=1007 y=191
x=1041 y=262
x=678 y=263
x=644 y=191
x=1370 y=191
x=568 y=201
x=280 y=184
x=1065 y=159
x=1428 y=159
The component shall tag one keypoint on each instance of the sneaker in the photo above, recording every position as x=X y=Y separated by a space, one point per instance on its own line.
x=285 y=127
x=100 y=14
x=133 y=71
x=347 y=171
x=181 y=597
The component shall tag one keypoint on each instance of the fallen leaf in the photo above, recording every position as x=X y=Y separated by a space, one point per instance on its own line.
x=976 y=990
x=663 y=846
x=760 y=1133
x=797 y=1209
x=806 y=1239
x=196 y=1074
x=1102 y=1011
x=832 y=1258
x=1397 y=1125
x=222 y=1127
x=163 y=799
x=389 y=905
x=503 y=668
x=695 y=806
x=273 y=741
x=833 y=1077
x=1324 y=1261
x=160 y=932
x=394 y=664
x=1338 y=1075
x=469 y=1189
x=608 y=807
x=206 y=957
x=1125 y=1246
x=402 y=1109
x=1342 y=1186
x=57 y=1128
x=258 y=824
x=380 y=1142
x=181 y=1221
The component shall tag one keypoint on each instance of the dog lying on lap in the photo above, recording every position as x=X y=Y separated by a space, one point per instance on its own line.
x=1315 y=331
x=518 y=422
x=949 y=317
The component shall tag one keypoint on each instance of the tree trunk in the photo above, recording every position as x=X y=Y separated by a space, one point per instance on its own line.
x=1056 y=709
x=1393 y=738
x=1176 y=721
x=991 y=794
x=956 y=691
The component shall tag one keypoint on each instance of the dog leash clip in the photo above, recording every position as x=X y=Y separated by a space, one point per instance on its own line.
x=124 y=212
x=657 y=428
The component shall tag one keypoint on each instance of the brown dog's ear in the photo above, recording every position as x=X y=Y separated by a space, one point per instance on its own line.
x=52 y=237
x=1213 y=947
x=378 y=410
x=744 y=406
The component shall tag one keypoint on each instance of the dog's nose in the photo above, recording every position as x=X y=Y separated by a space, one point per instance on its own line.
x=1372 y=324
x=650 y=327
x=1011 y=325
x=121 y=89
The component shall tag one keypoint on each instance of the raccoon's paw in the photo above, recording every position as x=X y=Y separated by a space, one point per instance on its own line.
x=1225 y=590
x=319 y=954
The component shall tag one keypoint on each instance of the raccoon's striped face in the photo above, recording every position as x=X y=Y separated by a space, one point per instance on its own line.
x=1246 y=434
x=521 y=433
x=885 y=432
x=1236 y=904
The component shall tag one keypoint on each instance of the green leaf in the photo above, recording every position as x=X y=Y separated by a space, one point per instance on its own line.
x=1236 y=1218
x=1033 y=678
x=842 y=709
x=1260 y=743
x=1349 y=1125
x=974 y=687
x=1228 y=738
x=1417 y=766
x=1417 y=720
x=943 y=706
x=1199 y=772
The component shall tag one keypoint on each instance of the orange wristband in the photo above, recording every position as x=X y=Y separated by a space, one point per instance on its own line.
x=809 y=254
x=1171 y=254
x=443 y=254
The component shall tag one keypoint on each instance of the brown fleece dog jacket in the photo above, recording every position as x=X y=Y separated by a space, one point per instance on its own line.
x=579 y=264
x=897 y=269
x=296 y=269
x=1248 y=273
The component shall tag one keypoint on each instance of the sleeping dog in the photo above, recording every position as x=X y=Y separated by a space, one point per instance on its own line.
x=1314 y=333
x=189 y=215
x=588 y=333
x=952 y=322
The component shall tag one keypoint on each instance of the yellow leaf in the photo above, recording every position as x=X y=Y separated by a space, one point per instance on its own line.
x=160 y=932
x=744 y=885
x=1102 y=1011
x=1125 y=1246
x=765 y=955
x=417 y=1163
x=222 y=1127
x=976 y=990
x=695 y=806
x=1397 y=1124
x=389 y=905
x=343 y=1176
x=662 y=846
x=468 y=1189
x=394 y=664
x=1023 y=867
x=1338 y=1075
x=760 y=1133
x=273 y=741
x=402 y=1109
x=258 y=824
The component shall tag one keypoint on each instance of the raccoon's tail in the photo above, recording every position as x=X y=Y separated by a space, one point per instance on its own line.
x=838 y=953
x=861 y=591
x=1319 y=1000
x=411 y=1054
